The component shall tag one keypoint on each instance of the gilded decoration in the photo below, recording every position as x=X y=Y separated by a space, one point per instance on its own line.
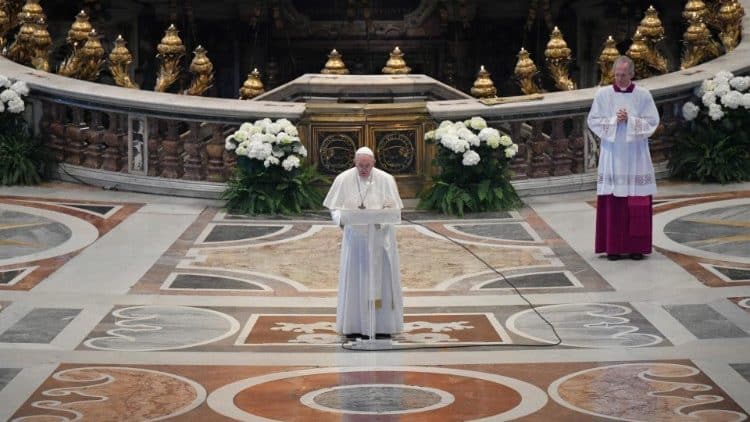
x=41 y=41
x=171 y=50
x=78 y=34
x=558 y=57
x=396 y=65
x=22 y=48
x=4 y=24
x=652 y=31
x=729 y=19
x=120 y=61
x=252 y=87
x=699 y=45
x=336 y=150
x=639 y=52
x=483 y=85
x=335 y=65
x=606 y=60
x=92 y=57
x=396 y=150
x=526 y=73
x=203 y=72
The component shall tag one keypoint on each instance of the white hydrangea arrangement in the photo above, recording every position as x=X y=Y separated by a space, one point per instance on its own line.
x=713 y=144
x=271 y=176
x=474 y=169
x=11 y=97
x=274 y=143
x=468 y=136
x=719 y=95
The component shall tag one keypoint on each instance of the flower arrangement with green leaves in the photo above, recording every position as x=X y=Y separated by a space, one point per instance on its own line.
x=271 y=177
x=23 y=160
x=474 y=173
x=714 y=144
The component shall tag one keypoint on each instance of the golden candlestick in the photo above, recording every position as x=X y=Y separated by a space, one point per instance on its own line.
x=92 y=57
x=639 y=53
x=79 y=30
x=652 y=31
x=558 y=57
x=4 y=24
x=695 y=10
x=41 y=40
x=606 y=60
x=252 y=87
x=335 y=65
x=526 y=73
x=31 y=12
x=22 y=48
x=483 y=85
x=171 y=50
x=120 y=61
x=203 y=72
x=78 y=34
x=699 y=45
x=396 y=63
x=729 y=19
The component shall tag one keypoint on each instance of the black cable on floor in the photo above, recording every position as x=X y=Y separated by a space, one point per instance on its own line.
x=460 y=346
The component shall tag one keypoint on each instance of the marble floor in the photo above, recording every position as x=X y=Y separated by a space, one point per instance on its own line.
x=124 y=306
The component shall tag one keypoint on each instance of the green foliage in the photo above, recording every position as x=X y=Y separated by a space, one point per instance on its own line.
x=256 y=189
x=479 y=188
x=713 y=151
x=23 y=160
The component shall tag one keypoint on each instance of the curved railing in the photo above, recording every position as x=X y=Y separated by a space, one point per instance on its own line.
x=166 y=143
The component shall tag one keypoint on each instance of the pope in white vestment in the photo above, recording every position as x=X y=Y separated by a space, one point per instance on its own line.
x=364 y=186
x=623 y=116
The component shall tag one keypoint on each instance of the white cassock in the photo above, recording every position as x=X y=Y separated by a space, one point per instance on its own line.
x=625 y=167
x=348 y=191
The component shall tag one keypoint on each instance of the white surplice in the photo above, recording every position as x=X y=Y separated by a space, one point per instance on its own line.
x=349 y=191
x=625 y=167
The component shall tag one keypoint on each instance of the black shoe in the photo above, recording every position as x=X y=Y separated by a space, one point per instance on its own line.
x=636 y=256
x=613 y=257
x=382 y=336
x=353 y=336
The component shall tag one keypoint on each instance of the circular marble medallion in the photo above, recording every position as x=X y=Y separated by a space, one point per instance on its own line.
x=30 y=234
x=721 y=230
x=424 y=393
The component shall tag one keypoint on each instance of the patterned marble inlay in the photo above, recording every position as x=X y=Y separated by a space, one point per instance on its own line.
x=378 y=399
x=210 y=282
x=586 y=325
x=227 y=232
x=723 y=230
x=113 y=393
x=101 y=210
x=505 y=231
x=148 y=328
x=742 y=369
x=24 y=234
x=285 y=329
x=643 y=392
x=536 y=280
x=704 y=322
x=40 y=325
x=260 y=398
x=312 y=259
x=734 y=274
x=7 y=375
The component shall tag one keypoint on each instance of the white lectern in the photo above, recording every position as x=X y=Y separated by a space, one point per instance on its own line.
x=371 y=218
